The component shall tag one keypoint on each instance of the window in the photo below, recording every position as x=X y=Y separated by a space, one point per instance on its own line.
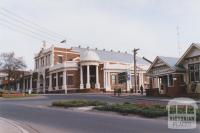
x=54 y=80
x=114 y=79
x=194 y=73
x=182 y=78
x=171 y=81
x=60 y=59
x=70 y=80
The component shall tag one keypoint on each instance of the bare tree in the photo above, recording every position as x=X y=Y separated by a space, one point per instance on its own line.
x=12 y=66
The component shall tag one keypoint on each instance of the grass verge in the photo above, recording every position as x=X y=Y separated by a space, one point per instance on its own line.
x=77 y=103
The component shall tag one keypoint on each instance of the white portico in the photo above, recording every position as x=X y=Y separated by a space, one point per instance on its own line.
x=89 y=70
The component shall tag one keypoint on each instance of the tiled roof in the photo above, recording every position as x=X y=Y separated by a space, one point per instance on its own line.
x=113 y=56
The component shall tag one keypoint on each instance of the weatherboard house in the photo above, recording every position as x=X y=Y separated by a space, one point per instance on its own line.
x=177 y=76
x=62 y=70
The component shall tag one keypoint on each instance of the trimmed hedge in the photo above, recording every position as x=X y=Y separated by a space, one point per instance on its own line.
x=77 y=103
x=150 y=111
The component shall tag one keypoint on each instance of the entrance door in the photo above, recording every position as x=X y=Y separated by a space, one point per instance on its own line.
x=41 y=83
x=92 y=76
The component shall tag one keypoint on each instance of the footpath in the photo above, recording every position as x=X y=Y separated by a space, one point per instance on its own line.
x=8 y=126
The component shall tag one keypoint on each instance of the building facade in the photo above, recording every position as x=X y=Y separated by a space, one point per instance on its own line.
x=177 y=76
x=190 y=61
x=166 y=76
x=62 y=70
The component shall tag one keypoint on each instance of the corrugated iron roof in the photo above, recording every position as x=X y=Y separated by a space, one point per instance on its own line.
x=171 y=61
x=113 y=56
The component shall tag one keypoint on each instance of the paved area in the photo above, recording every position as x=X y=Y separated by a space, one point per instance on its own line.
x=50 y=120
x=8 y=126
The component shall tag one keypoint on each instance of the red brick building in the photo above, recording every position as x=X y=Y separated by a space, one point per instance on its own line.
x=61 y=70
x=166 y=76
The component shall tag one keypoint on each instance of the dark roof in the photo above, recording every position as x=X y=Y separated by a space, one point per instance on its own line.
x=113 y=56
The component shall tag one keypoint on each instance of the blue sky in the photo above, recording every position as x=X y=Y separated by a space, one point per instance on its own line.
x=111 y=24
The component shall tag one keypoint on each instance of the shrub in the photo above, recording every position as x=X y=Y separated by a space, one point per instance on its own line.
x=138 y=109
x=77 y=103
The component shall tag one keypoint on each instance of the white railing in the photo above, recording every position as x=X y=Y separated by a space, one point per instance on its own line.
x=67 y=64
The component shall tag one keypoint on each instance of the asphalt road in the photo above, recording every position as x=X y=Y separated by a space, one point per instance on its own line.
x=33 y=114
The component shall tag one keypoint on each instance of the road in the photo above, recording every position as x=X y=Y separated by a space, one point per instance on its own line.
x=37 y=118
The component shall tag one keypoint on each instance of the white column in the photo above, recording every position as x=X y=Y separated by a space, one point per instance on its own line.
x=105 y=80
x=50 y=82
x=38 y=83
x=97 y=85
x=88 y=77
x=81 y=77
x=31 y=81
x=108 y=81
x=168 y=80
x=65 y=81
x=23 y=85
x=18 y=85
x=44 y=83
x=128 y=81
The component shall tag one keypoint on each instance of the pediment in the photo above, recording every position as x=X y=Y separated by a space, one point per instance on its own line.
x=159 y=63
x=193 y=52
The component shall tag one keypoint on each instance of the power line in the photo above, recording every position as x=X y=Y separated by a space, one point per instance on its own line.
x=17 y=30
x=24 y=28
x=31 y=24
x=28 y=26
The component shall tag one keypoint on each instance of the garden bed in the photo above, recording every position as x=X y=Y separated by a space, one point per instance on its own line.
x=15 y=95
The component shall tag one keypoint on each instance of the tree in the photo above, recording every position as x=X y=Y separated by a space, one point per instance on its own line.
x=12 y=66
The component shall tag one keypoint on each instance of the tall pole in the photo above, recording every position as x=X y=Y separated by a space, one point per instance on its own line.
x=66 y=70
x=135 y=68
x=65 y=41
